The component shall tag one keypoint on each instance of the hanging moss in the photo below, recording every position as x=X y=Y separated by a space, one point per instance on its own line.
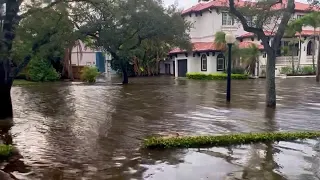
x=225 y=140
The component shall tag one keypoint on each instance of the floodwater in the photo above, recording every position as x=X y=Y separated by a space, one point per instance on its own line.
x=83 y=132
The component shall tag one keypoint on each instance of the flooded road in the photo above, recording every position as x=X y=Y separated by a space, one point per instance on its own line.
x=84 y=132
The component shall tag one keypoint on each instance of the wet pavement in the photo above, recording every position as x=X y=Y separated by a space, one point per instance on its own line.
x=74 y=131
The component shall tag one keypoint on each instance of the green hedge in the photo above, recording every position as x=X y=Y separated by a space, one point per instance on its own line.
x=304 y=70
x=215 y=76
x=225 y=140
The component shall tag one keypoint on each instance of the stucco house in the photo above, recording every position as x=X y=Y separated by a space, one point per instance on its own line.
x=86 y=56
x=210 y=17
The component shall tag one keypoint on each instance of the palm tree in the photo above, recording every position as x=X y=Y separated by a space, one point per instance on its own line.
x=291 y=30
x=219 y=40
x=220 y=43
x=250 y=56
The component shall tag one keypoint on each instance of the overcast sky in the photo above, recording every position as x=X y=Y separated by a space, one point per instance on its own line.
x=188 y=3
x=182 y=3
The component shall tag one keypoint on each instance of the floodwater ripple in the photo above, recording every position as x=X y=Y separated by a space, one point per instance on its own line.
x=74 y=131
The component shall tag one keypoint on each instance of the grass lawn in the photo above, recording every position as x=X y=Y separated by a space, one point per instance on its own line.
x=20 y=82
x=225 y=140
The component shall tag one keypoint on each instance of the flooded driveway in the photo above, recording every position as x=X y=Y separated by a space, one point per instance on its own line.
x=84 y=132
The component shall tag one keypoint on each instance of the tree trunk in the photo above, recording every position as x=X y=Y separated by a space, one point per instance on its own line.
x=5 y=88
x=318 y=61
x=314 y=49
x=270 y=84
x=125 y=79
x=299 y=59
x=292 y=58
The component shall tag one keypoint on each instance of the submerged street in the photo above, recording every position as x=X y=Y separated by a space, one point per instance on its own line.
x=67 y=131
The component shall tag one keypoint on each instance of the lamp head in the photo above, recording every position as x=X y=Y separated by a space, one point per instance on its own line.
x=230 y=38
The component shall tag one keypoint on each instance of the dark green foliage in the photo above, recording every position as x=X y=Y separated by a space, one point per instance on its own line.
x=116 y=66
x=89 y=74
x=215 y=76
x=225 y=140
x=40 y=69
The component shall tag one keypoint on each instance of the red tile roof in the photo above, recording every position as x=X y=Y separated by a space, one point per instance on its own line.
x=198 y=46
x=307 y=33
x=247 y=44
x=210 y=46
x=268 y=33
x=224 y=3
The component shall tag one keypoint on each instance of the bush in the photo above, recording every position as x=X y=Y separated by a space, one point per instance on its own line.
x=89 y=74
x=41 y=70
x=215 y=76
x=238 y=70
x=286 y=70
x=307 y=70
x=5 y=150
x=225 y=140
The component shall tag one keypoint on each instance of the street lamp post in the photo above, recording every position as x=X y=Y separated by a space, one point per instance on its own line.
x=230 y=39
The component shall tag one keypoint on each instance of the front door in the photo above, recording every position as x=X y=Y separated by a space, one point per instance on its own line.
x=182 y=68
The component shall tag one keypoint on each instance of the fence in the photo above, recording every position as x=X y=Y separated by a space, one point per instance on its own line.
x=76 y=71
x=286 y=60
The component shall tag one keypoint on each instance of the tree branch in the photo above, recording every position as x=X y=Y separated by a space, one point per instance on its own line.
x=282 y=26
x=50 y=5
x=242 y=19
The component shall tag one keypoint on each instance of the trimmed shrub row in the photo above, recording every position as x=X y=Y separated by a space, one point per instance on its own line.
x=225 y=140
x=215 y=76
x=304 y=70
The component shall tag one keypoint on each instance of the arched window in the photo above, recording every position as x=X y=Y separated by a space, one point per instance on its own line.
x=204 y=62
x=309 y=48
x=220 y=63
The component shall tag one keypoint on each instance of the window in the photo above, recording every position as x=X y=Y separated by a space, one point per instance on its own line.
x=299 y=16
x=220 y=63
x=264 y=55
x=204 y=62
x=227 y=19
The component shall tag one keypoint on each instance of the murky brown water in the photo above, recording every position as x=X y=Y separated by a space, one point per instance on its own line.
x=94 y=131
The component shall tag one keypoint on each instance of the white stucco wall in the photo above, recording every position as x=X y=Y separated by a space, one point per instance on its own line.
x=205 y=26
x=88 y=56
x=194 y=63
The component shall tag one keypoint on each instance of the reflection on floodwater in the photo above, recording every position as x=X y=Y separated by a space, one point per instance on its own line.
x=68 y=131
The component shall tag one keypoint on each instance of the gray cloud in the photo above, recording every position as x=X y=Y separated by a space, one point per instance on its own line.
x=182 y=3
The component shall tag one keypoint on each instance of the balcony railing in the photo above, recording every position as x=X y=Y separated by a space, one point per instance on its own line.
x=227 y=28
x=286 y=60
x=309 y=59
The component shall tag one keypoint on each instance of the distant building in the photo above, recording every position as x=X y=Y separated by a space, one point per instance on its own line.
x=86 y=56
x=211 y=17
